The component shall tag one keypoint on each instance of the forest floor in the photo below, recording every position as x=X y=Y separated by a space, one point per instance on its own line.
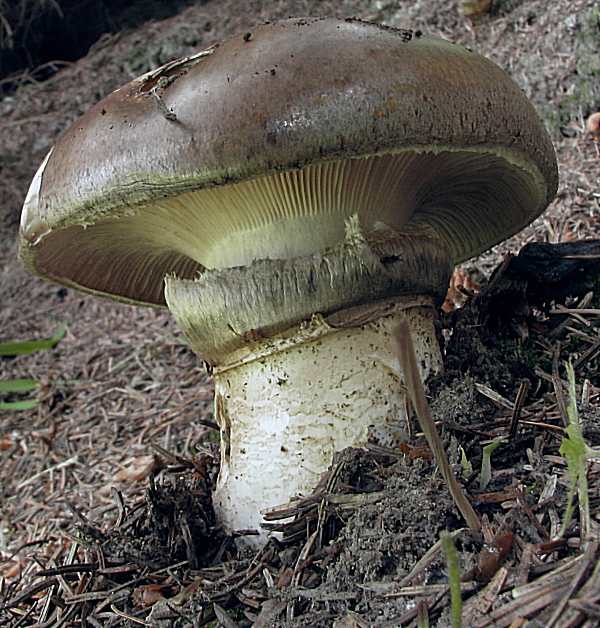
x=105 y=516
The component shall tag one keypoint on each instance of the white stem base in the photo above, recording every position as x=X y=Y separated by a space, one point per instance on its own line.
x=285 y=414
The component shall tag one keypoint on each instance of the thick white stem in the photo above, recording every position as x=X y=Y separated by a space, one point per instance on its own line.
x=286 y=411
x=302 y=358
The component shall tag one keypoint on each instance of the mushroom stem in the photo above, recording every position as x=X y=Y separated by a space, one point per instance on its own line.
x=286 y=410
x=303 y=358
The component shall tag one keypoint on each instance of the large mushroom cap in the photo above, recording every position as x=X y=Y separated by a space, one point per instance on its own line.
x=180 y=169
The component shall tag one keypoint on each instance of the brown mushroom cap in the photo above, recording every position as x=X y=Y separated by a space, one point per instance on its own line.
x=409 y=130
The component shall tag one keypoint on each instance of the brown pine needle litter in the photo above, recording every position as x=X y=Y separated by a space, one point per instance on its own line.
x=105 y=514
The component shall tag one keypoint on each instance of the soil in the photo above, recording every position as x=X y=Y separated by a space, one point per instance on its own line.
x=105 y=484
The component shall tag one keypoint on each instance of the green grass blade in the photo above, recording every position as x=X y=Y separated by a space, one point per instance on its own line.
x=18 y=385
x=23 y=348
x=577 y=453
x=486 y=465
x=465 y=463
x=452 y=566
x=18 y=405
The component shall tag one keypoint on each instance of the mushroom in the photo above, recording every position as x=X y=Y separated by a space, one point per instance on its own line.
x=286 y=193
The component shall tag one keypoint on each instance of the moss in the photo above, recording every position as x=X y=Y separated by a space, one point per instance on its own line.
x=527 y=353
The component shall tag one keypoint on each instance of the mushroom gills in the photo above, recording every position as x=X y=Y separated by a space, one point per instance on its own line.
x=469 y=197
x=303 y=211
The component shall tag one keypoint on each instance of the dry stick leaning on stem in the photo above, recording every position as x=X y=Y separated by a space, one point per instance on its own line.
x=416 y=393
